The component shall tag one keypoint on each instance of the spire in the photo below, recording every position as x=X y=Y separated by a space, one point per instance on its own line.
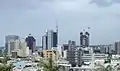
x=57 y=26
x=57 y=31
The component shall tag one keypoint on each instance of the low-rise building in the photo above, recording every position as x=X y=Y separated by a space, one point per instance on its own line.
x=88 y=57
x=51 y=54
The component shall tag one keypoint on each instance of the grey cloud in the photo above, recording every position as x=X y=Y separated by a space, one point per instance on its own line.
x=104 y=3
x=19 y=4
x=73 y=16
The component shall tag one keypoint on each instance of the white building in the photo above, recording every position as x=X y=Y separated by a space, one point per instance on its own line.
x=17 y=44
x=24 y=49
x=88 y=57
x=64 y=54
x=59 y=49
x=50 y=39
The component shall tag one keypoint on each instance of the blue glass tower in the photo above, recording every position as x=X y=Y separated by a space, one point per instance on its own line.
x=31 y=43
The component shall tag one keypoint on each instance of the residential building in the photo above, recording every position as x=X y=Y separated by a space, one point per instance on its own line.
x=24 y=49
x=74 y=57
x=15 y=53
x=18 y=47
x=73 y=54
x=8 y=39
x=51 y=54
x=31 y=43
x=13 y=45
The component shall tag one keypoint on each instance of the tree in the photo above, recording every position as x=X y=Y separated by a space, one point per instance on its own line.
x=50 y=65
x=103 y=68
x=4 y=66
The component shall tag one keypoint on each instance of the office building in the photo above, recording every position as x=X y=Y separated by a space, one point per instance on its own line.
x=117 y=47
x=44 y=42
x=49 y=40
x=84 y=39
x=31 y=43
x=9 y=38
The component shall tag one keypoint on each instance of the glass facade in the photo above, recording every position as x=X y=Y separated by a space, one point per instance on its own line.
x=31 y=43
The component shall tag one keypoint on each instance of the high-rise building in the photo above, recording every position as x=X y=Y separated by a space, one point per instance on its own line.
x=72 y=53
x=10 y=47
x=84 y=39
x=31 y=43
x=117 y=47
x=13 y=45
x=9 y=38
x=24 y=48
x=49 y=40
x=18 y=48
x=74 y=56
x=44 y=42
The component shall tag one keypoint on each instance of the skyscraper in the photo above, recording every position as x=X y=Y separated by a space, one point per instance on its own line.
x=44 y=42
x=31 y=43
x=84 y=39
x=117 y=47
x=50 y=39
x=7 y=39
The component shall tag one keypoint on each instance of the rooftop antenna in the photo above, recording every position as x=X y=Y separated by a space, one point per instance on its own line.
x=57 y=31
x=57 y=26
x=84 y=31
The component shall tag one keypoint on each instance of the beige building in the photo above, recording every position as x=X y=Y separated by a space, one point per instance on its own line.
x=51 y=54
x=18 y=48
x=24 y=49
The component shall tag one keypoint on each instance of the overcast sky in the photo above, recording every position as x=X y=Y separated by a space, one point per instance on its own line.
x=21 y=17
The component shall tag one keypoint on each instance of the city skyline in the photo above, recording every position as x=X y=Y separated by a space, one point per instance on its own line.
x=27 y=16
